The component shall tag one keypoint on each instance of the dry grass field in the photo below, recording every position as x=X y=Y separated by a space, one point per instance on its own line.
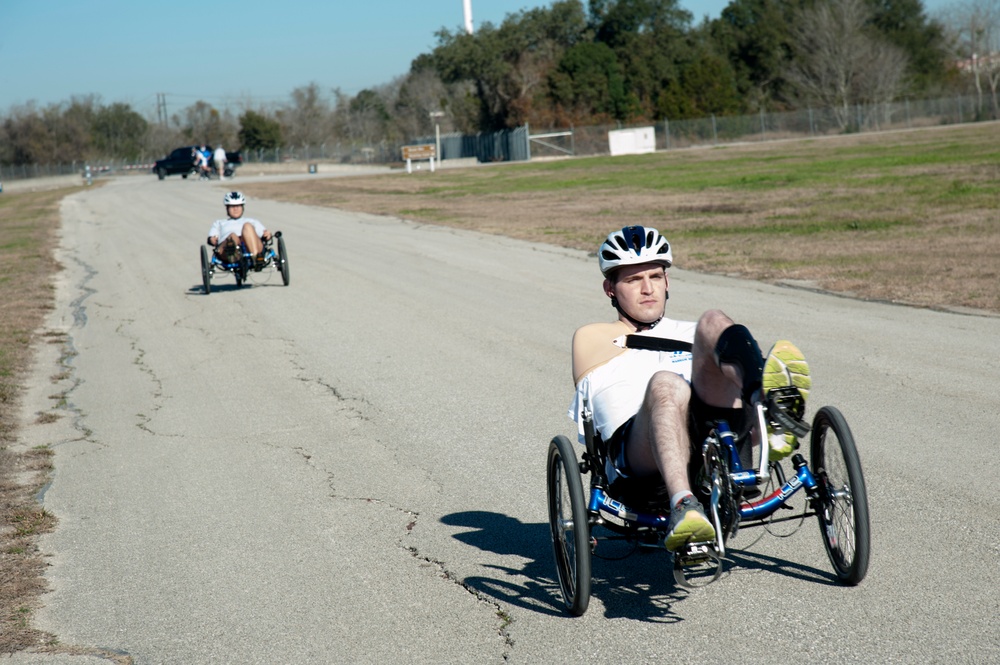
x=28 y=226
x=905 y=217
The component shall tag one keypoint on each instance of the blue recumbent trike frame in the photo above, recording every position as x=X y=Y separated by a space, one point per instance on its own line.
x=832 y=480
x=274 y=258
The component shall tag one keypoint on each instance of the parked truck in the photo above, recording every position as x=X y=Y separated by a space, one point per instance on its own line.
x=183 y=161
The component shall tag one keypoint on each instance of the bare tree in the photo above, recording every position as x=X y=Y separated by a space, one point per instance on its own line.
x=203 y=123
x=161 y=139
x=975 y=28
x=307 y=121
x=838 y=64
x=882 y=79
x=420 y=93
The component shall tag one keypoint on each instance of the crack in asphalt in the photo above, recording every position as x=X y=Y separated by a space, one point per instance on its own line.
x=157 y=393
x=69 y=352
x=504 y=618
x=346 y=402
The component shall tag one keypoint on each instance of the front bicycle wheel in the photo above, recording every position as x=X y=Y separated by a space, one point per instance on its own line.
x=206 y=270
x=283 y=262
x=842 y=505
x=569 y=525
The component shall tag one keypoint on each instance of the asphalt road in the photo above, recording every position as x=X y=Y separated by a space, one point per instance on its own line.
x=351 y=469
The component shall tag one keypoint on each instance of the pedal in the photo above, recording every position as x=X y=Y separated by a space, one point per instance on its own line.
x=786 y=408
x=697 y=565
x=695 y=553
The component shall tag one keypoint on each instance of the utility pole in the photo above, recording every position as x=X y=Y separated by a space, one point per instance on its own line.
x=161 y=108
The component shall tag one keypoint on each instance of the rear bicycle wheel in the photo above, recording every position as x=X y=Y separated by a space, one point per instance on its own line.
x=569 y=525
x=206 y=270
x=842 y=505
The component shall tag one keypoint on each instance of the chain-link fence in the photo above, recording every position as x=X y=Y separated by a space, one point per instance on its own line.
x=97 y=167
x=520 y=144
x=763 y=126
x=378 y=153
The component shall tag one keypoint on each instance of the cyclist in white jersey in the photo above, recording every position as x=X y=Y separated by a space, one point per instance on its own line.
x=226 y=234
x=650 y=400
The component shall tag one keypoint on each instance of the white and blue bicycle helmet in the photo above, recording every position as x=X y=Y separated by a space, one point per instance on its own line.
x=633 y=245
x=234 y=199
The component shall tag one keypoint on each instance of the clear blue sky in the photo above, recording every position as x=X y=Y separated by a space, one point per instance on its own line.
x=130 y=50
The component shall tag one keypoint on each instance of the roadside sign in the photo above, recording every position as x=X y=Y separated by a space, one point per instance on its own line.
x=425 y=151
x=417 y=152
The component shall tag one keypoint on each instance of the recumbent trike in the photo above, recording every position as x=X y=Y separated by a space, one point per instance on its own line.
x=243 y=266
x=731 y=494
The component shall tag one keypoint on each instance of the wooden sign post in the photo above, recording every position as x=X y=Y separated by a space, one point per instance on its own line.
x=421 y=152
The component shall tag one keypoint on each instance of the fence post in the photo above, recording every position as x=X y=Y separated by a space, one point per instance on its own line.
x=762 y=127
x=666 y=130
x=715 y=133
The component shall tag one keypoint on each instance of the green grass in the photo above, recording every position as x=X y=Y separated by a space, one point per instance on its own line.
x=885 y=201
x=762 y=170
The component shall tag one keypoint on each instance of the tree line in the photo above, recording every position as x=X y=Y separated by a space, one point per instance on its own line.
x=571 y=63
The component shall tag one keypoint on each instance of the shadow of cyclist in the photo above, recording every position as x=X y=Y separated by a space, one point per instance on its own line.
x=635 y=588
x=744 y=562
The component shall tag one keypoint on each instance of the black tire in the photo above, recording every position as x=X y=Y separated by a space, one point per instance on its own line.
x=160 y=173
x=569 y=524
x=283 y=262
x=240 y=272
x=842 y=507
x=206 y=270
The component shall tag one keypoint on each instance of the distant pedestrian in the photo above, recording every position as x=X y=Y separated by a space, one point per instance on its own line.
x=220 y=161
x=202 y=155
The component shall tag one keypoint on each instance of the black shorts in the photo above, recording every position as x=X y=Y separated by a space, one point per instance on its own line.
x=701 y=420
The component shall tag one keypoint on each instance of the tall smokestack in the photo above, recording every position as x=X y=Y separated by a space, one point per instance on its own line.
x=467 y=5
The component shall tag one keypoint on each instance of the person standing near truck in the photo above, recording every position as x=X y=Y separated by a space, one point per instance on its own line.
x=202 y=155
x=220 y=161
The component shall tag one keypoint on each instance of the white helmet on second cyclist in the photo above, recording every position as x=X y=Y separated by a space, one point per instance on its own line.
x=234 y=199
x=634 y=245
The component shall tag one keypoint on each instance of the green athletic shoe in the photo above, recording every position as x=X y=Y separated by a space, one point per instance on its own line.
x=688 y=524
x=785 y=366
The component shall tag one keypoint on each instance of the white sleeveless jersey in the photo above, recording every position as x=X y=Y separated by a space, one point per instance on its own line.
x=222 y=228
x=615 y=390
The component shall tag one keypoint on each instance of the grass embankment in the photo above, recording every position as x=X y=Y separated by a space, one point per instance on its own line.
x=905 y=217
x=28 y=225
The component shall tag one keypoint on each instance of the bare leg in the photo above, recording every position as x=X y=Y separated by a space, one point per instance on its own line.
x=251 y=240
x=658 y=440
x=716 y=385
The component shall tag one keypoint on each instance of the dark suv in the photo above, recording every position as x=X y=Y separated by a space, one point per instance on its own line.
x=182 y=161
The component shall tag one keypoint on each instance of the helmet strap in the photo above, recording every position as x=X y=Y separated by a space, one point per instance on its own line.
x=639 y=325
